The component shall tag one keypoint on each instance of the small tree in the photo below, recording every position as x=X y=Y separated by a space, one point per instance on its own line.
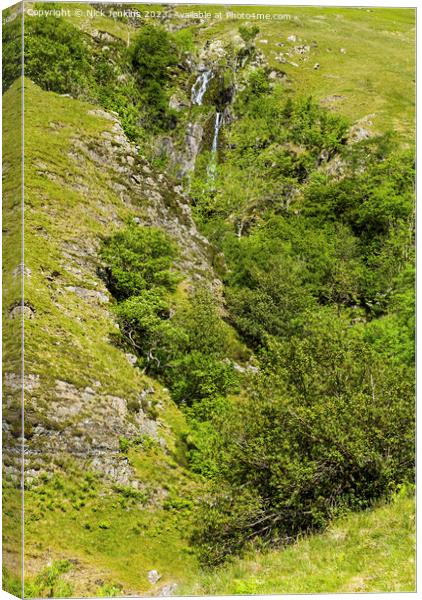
x=138 y=258
x=248 y=33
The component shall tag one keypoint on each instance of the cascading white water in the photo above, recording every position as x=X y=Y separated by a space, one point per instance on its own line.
x=198 y=92
x=200 y=86
x=217 y=127
x=212 y=167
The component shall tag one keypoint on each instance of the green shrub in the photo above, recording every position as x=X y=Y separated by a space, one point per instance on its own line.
x=49 y=583
x=56 y=56
x=248 y=33
x=130 y=492
x=145 y=324
x=152 y=53
x=258 y=83
x=326 y=426
x=138 y=259
x=109 y=590
x=197 y=376
x=12 y=49
x=124 y=445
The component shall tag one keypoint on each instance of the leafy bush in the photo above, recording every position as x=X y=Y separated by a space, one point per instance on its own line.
x=198 y=376
x=326 y=426
x=124 y=445
x=258 y=83
x=248 y=33
x=109 y=590
x=131 y=81
x=56 y=56
x=144 y=321
x=49 y=582
x=138 y=258
x=152 y=53
x=12 y=49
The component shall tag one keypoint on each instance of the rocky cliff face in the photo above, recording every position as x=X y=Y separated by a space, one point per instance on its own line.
x=76 y=403
x=88 y=408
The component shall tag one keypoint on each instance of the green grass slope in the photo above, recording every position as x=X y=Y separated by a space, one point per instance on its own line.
x=86 y=532
x=366 y=58
x=90 y=416
x=366 y=55
x=372 y=551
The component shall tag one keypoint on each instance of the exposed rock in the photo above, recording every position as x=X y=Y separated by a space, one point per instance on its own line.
x=131 y=358
x=102 y=36
x=119 y=406
x=148 y=427
x=323 y=156
x=259 y=59
x=114 y=467
x=317 y=66
x=154 y=576
x=194 y=135
x=335 y=168
x=301 y=49
x=359 y=130
x=277 y=75
x=357 y=133
x=22 y=310
x=178 y=103
x=21 y=269
x=98 y=112
x=168 y=590
x=88 y=294
x=292 y=38
x=13 y=381
x=213 y=52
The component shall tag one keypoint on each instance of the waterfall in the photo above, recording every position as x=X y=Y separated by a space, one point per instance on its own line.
x=200 y=86
x=217 y=127
x=212 y=167
x=198 y=92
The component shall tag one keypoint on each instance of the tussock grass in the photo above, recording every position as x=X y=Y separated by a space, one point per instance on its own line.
x=371 y=551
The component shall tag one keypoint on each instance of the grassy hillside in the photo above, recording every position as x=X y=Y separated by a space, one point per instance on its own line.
x=366 y=55
x=366 y=58
x=370 y=551
x=85 y=402
x=219 y=321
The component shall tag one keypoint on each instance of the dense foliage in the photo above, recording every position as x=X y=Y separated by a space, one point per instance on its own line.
x=298 y=384
x=12 y=49
x=56 y=56
x=138 y=259
x=319 y=283
x=326 y=425
x=152 y=54
x=132 y=81
x=184 y=347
